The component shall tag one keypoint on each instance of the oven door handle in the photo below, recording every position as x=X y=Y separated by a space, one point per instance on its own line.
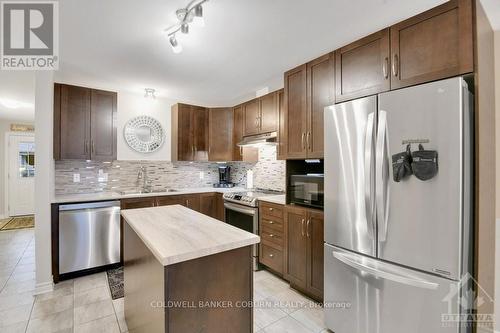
x=239 y=209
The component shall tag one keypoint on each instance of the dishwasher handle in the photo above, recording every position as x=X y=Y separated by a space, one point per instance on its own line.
x=90 y=205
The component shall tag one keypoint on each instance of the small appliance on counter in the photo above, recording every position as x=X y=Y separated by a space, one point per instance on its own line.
x=224 y=177
x=306 y=190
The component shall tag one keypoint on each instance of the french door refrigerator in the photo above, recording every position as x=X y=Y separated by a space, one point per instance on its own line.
x=395 y=251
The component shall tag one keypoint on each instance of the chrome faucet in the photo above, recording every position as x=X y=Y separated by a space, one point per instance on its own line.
x=143 y=175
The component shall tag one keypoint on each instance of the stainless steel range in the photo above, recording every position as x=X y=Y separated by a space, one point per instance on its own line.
x=241 y=210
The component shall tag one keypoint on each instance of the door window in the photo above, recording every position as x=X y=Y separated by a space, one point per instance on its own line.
x=26 y=159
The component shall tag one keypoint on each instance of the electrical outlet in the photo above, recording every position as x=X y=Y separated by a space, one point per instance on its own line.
x=202 y=175
x=76 y=178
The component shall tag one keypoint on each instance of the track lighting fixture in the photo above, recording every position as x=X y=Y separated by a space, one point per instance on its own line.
x=193 y=13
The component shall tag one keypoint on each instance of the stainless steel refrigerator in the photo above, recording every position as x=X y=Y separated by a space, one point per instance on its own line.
x=395 y=251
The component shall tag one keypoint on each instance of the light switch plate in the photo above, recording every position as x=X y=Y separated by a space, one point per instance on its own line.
x=76 y=178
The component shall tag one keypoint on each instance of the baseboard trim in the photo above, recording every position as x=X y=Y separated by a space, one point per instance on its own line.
x=42 y=288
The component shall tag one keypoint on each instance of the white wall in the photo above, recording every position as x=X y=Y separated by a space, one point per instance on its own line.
x=44 y=179
x=4 y=128
x=132 y=105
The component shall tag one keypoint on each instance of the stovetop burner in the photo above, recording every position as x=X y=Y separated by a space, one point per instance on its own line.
x=249 y=198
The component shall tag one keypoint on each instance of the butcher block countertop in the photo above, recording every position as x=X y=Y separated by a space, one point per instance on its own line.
x=175 y=233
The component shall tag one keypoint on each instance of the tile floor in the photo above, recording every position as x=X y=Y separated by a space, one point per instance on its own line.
x=85 y=305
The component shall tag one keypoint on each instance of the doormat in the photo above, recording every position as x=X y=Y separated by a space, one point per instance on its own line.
x=115 y=281
x=20 y=222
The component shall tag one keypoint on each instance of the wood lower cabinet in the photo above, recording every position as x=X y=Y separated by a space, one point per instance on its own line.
x=84 y=123
x=209 y=204
x=271 y=231
x=220 y=136
x=362 y=67
x=315 y=253
x=169 y=200
x=433 y=45
x=304 y=250
x=190 y=133
x=134 y=203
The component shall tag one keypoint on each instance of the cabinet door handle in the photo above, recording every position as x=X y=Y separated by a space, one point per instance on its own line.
x=241 y=151
x=270 y=209
x=271 y=235
x=307 y=228
x=309 y=140
x=92 y=146
x=395 y=65
x=303 y=140
x=260 y=120
x=85 y=147
x=271 y=222
x=385 y=67
x=187 y=202
x=271 y=255
x=302 y=227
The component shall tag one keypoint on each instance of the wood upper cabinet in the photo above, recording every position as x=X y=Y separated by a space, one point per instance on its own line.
x=308 y=90
x=220 y=136
x=295 y=97
x=247 y=154
x=296 y=247
x=268 y=113
x=261 y=115
x=362 y=67
x=251 y=111
x=320 y=93
x=84 y=123
x=190 y=133
x=315 y=253
x=304 y=250
x=238 y=121
x=281 y=148
x=103 y=125
x=433 y=45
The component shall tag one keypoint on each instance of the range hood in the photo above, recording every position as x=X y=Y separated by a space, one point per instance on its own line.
x=259 y=140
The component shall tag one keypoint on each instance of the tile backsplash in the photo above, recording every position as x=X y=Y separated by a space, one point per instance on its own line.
x=122 y=175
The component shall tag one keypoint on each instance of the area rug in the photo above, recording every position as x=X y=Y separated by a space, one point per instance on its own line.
x=115 y=281
x=20 y=222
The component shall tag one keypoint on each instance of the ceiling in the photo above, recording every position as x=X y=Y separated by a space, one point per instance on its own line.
x=17 y=95
x=244 y=46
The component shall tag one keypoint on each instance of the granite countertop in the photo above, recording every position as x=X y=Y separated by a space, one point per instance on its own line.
x=100 y=196
x=175 y=233
x=279 y=199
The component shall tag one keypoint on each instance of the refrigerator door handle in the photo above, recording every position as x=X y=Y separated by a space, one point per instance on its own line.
x=369 y=195
x=382 y=175
x=364 y=266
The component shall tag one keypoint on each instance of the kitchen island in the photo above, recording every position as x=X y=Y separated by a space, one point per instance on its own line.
x=186 y=272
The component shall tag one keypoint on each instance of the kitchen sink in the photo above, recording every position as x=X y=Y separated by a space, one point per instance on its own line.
x=132 y=192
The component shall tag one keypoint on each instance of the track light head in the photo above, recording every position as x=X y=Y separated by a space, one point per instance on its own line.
x=198 y=19
x=185 y=28
x=176 y=47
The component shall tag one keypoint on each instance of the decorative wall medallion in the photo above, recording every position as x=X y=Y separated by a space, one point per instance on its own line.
x=143 y=134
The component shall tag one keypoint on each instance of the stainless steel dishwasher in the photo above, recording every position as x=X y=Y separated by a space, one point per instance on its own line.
x=89 y=235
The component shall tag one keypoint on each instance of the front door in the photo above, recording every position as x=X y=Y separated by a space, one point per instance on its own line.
x=21 y=175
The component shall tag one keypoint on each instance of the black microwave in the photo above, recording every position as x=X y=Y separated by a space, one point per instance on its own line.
x=306 y=190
